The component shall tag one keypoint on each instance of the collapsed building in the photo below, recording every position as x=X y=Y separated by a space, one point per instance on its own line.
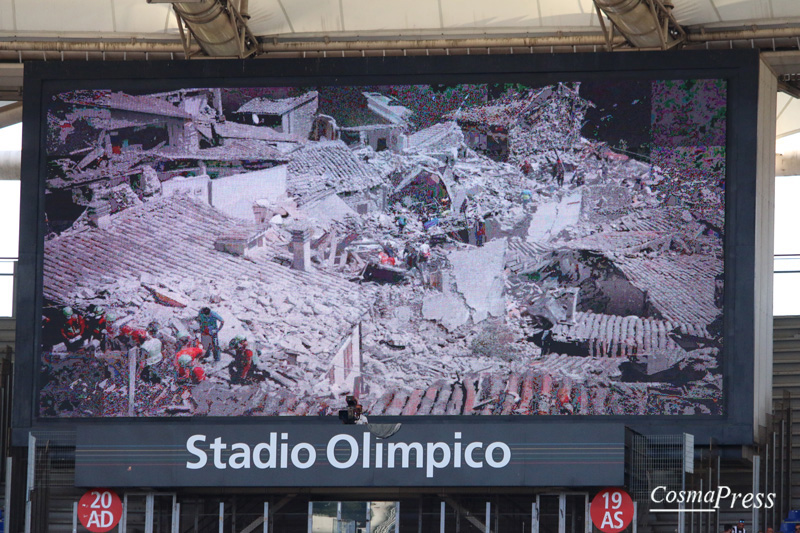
x=365 y=118
x=518 y=127
x=449 y=273
x=187 y=255
x=292 y=116
x=331 y=165
x=126 y=122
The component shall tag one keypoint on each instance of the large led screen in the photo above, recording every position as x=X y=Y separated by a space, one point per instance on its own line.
x=460 y=249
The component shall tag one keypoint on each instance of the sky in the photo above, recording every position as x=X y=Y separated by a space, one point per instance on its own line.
x=787 y=220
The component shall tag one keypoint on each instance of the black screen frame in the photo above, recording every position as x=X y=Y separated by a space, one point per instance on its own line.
x=738 y=67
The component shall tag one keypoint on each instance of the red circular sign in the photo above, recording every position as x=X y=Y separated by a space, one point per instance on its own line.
x=99 y=510
x=611 y=510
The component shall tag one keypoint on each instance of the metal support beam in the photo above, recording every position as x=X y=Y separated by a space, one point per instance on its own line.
x=366 y=42
x=123 y=522
x=10 y=114
x=68 y=45
x=790 y=88
x=7 y=498
x=311 y=44
x=775 y=488
x=644 y=23
x=30 y=481
x=149 y=512
x=607 y=32
x=217 y=27
x=265 y=518
x=408 y=43
x=480 y=526
x=662 y=32
x=755 y=526
x=176 y=515
x=702 y=35
x=186 y=38
x=670 y=22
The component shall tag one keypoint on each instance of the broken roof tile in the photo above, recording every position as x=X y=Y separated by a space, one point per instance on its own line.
x=146 y=104
x=172 y=239
x=682 y=290
x=329 y=165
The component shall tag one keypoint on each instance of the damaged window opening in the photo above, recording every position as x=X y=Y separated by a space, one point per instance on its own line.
x=458 y=250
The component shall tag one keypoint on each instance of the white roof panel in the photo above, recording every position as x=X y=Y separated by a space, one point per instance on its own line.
x=105 y=18
x=7 y=22
x=744 y=9
x=64 y=16
x=567 y=13
x=690 y=12
x=480 y=13
x=365 y=15
x=273 y=17
x=135 y=16
x=785 y=8
x=788 y=116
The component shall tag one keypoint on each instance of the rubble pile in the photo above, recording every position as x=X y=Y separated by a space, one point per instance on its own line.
x=492 y=263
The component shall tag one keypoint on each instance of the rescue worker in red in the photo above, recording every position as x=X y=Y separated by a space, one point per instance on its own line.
x=130 y=337
x=96 y=325
x=242 y=358
x=190 y=371
x=73 y=329
x=188 y=367
x=480 y=232
x=192 y=349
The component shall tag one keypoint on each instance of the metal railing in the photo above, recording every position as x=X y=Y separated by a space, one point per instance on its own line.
x=786 y=257
x=776 y=457
x=6 y=388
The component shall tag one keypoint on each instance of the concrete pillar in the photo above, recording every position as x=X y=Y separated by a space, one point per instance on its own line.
x=764 y=248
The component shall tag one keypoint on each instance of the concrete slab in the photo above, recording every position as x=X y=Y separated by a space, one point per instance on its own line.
x=552 y=217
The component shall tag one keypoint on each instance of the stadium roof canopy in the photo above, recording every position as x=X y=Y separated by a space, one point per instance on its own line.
x=54 y=30
x=334 y=25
